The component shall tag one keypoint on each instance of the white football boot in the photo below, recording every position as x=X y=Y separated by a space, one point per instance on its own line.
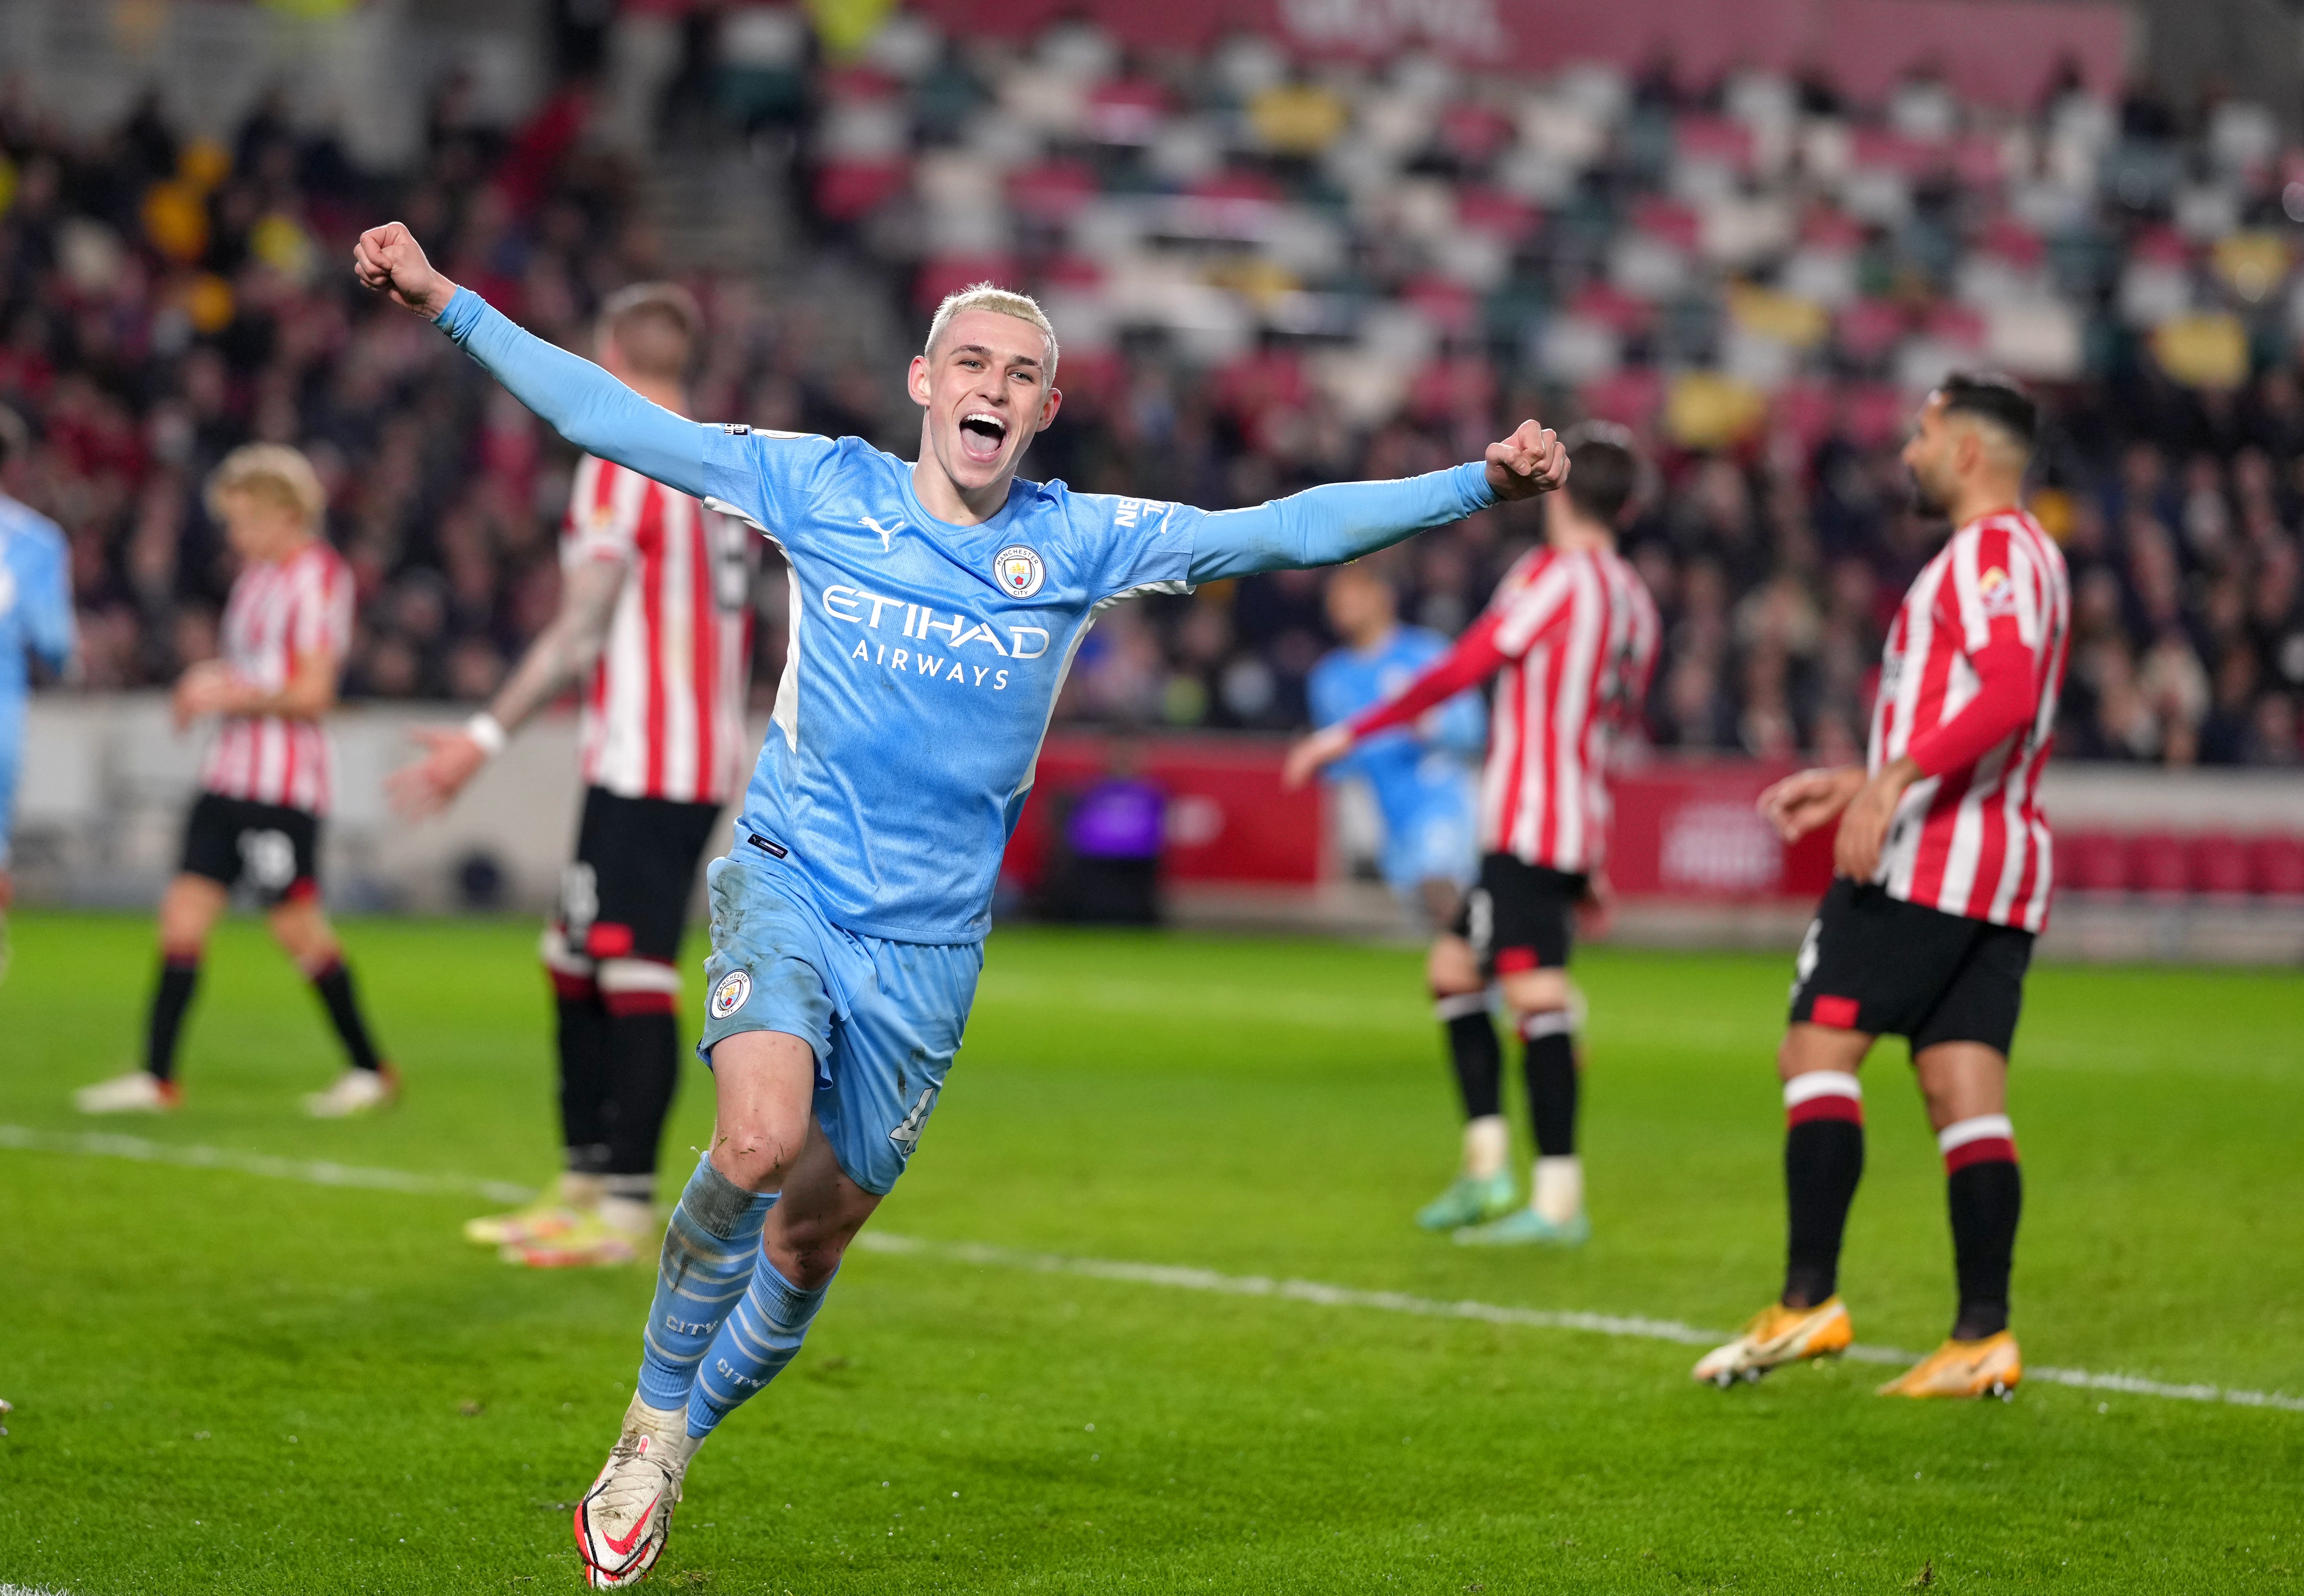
x=356 y=1092
x=622 y=1521
x=138 y=1091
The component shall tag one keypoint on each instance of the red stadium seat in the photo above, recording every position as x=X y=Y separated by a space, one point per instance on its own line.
x=2093 y=862
x=2278 y=866
x=2220 y=864
x=2159 y=862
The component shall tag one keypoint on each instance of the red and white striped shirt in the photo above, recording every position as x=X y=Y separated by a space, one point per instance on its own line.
x=1573 y=634
x=1968 y=684
x=664 y=714
x=280 y=611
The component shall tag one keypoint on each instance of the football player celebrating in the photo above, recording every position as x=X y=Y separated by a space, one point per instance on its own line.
x=655 y=612
x=1573 y=633
x=936 y=607
x=1941 y=864
x=35 y=620
x=267 y=780
x=1422 y=778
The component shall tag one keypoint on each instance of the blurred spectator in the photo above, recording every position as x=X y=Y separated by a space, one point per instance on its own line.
x=1105 y=868
x=1266 y=273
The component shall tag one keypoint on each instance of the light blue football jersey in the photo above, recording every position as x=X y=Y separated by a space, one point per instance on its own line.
x=1411 y=770
x=922 y=667
x=924 y=659
x=35 y=620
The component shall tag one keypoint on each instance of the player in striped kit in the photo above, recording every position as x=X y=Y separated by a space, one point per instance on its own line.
x=1943 y=867
x=267 y=782
x=1572 y=634
x=657 y=614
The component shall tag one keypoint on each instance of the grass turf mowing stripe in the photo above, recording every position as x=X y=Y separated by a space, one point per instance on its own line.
x=1173 y=1277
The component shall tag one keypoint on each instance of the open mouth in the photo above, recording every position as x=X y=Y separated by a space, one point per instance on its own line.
x=981 y=436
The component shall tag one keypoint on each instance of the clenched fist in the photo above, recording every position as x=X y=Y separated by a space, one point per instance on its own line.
x=1533 y=461
x=388 y=260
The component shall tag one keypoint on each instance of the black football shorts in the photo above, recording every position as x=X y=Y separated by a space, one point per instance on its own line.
x=1521 y=917
x=626 y=894
x=1886 y=967
x=275 y=849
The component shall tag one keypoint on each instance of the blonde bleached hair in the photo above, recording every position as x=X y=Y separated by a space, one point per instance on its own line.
x=991 y=296
x=273 y=473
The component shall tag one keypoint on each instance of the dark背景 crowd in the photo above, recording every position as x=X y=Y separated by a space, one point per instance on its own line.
x=1266 y=275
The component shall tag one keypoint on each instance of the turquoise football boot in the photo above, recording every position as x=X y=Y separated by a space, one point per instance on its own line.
x=1526 y=1228
x=1468 y=1201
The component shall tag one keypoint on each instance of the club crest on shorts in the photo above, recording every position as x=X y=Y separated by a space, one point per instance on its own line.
x=1019 y=570
x=730 y=995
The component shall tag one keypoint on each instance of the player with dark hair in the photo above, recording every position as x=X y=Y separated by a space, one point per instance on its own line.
x=1572 y=634
x=937 y=605
x=1942 y=865
x=1420 y=777
x=656 y=618
x=36 y=622
x=268 y=778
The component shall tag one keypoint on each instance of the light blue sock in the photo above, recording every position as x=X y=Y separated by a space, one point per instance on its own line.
x=708 y=1251
x=753 y=1347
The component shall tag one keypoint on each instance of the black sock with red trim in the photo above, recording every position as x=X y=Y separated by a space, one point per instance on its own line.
x=645 y=1052
x=179 y=973
x=335 y=985
x=1473 y=1049
x=1823 y=1161
x=641 y=996
x=1985 y=1189
x=587 y=1072
x=1549 y=1070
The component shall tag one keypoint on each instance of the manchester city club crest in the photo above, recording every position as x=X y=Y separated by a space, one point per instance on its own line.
x=1019 y=571
x=729 y=996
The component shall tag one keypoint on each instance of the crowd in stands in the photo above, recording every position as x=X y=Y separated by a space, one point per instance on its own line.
x=1266 y=273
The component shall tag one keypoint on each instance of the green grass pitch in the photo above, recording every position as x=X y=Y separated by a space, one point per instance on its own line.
x=226 y=1382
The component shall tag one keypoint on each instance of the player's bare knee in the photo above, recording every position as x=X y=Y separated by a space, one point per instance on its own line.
x=1532 y=992
x=1807 y=1047
x=1960 y=1080
x=188 y=911
x=304 y=934
x=754 y=1157
x=1451 y=968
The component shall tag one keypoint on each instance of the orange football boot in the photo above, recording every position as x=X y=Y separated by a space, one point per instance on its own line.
x=1778 y=1334
x=1991 y=1367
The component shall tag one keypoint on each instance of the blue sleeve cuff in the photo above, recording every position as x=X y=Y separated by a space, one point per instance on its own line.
x=464 y=308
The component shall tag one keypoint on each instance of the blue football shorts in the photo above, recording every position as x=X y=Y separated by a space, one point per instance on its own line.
x=884 y=1017
x=1433 y=840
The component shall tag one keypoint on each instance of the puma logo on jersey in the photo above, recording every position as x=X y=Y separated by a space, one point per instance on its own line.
x=887 y=533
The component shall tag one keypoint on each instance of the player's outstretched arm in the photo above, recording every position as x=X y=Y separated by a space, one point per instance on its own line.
x=561 y=653
x=1342 y=520
x=1475 y=658
x=581 y=401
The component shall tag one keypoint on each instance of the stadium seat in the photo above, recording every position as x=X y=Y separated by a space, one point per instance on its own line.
x=2094 y=861
x=2278 y=866
x=2159 y=863
x=2220 y=864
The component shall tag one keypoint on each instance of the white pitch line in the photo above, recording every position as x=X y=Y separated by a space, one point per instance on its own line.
x=1173 y=1277
x=1181 y=1278
x=316 y=1172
